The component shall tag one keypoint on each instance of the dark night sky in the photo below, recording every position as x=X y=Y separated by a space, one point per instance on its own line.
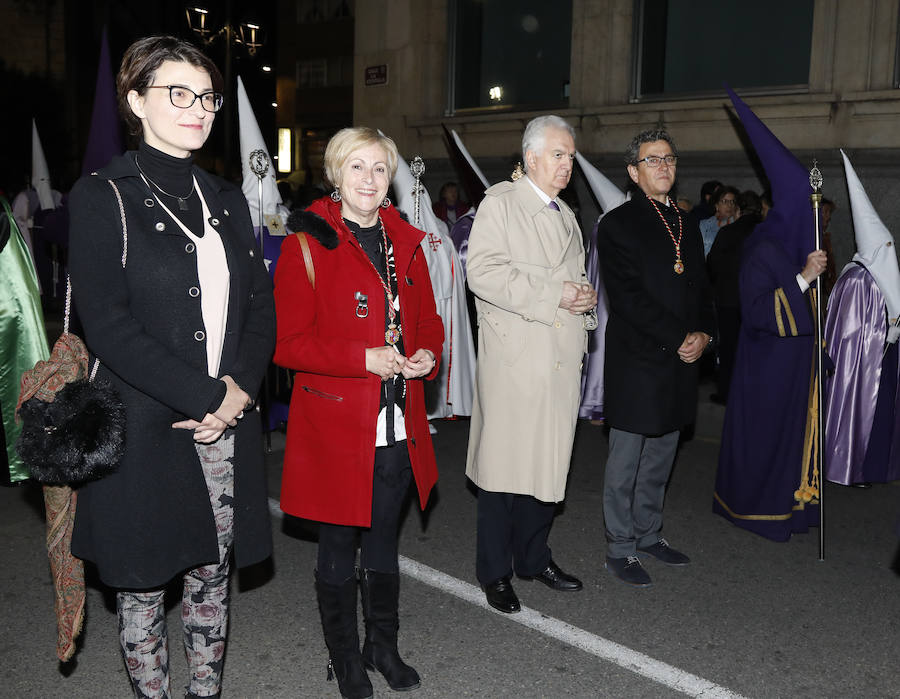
x=63 y=108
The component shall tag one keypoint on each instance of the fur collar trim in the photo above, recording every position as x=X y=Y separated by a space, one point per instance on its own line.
x=313 y=225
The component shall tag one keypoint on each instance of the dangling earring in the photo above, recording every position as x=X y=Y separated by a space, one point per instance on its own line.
x=386 y=203
x=336 y=194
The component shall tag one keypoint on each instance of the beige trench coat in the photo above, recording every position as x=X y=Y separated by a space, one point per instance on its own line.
x=528 y=375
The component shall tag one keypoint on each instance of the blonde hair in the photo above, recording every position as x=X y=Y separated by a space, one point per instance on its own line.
x=346 y=141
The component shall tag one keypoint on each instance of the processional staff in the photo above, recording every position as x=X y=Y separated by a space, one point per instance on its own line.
x=259 y=166
x=815 y=181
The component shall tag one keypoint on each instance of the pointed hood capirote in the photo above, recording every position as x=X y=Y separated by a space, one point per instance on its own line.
x=608 y=195
x=791 y=220
x=875 y=246
x=252 y=140
x=105 y=136
x=472 y=179
x=40 y=173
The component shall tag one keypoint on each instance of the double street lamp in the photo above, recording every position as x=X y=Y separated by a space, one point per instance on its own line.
x=246 y=34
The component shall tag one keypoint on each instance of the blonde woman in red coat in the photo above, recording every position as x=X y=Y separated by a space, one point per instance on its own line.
x=357 y=321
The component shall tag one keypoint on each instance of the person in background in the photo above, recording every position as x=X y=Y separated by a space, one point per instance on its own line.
x=724 y=203
x=357 y=322
x=183 y=325
x=449 y=207
x=724 y=265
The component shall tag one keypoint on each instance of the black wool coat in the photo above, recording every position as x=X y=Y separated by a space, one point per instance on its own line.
x=648 y=389
x=152 y=519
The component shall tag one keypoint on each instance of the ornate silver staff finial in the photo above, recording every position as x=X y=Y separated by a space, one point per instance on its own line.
x=259 y=163
x=417 y=168
x=815 y=177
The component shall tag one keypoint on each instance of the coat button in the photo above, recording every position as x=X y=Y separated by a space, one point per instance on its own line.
x=214 y=221
x=225 y=211
x=189 y=248
x=558 y=324
x=251 y=253
x=194 y=292
x=148 y=202
x=160 y=226
x=557 y=366
x=199 y=336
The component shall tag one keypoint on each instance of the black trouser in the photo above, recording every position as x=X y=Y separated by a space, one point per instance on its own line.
x=512 y=533
x=377 y=543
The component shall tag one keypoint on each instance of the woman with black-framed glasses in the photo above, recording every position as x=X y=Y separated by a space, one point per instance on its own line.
x=177 y=306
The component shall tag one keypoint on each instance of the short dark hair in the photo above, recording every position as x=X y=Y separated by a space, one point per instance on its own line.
x=749 y=203
x=722 y=191
x=141 y=61
x=649 y=136
x=708 y=188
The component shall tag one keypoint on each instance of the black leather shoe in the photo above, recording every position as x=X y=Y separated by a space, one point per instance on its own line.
x=554 y=578
x=629 y=570
x=665 y=553
x=501 y=596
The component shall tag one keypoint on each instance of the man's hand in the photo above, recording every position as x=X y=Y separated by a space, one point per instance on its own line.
x=577 y=298
x=815 y=265
x=693 y=346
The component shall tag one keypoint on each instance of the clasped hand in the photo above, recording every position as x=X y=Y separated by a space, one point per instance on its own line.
x=387 y=362
x=211 y=427
x=693 y=346
x=578 y=297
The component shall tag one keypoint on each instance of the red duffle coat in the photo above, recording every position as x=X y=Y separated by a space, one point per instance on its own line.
x=330 y=452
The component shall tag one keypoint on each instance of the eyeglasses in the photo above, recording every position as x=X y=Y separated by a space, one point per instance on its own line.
x=184 y=98
x=655 y=161
x=728 y=202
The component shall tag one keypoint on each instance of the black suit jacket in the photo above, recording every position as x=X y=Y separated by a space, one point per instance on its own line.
x=648 y=389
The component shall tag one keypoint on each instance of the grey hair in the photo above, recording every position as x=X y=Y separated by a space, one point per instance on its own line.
x=533 y=138
x=649 y=136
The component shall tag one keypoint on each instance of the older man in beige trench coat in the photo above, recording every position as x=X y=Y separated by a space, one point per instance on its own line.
x=526 y=269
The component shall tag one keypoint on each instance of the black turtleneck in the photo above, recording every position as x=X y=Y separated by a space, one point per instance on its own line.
x=168 y=176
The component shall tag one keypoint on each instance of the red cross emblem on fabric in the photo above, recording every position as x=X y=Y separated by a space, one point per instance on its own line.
x=434 y=241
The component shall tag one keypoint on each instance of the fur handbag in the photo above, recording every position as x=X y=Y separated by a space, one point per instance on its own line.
x=73 y=426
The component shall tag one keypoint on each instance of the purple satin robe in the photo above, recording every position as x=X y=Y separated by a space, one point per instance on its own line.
x=863 y=403
x=592 y=374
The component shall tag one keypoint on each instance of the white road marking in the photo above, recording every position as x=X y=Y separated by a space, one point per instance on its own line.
x=613 y=652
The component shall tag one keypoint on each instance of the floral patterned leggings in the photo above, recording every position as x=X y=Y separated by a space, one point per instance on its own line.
x=204 y=608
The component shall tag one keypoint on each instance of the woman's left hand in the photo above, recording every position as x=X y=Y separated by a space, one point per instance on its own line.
x=419 y=364
x=205 y=432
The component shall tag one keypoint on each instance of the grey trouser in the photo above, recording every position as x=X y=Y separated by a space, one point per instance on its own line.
x=634 y=489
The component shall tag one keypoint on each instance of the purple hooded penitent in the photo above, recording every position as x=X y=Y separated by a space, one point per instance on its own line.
x=767 y=482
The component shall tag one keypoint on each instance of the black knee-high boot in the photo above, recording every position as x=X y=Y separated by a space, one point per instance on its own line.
x=337 y=607
x=380 y=600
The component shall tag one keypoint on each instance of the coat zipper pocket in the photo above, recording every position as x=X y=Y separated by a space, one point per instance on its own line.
x=322 y=394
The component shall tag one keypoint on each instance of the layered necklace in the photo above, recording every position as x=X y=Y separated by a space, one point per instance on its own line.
x=182 y=201
x=679 y=264
x=393 y=332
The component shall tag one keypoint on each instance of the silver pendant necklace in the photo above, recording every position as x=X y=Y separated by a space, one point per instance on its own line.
x=182 y=201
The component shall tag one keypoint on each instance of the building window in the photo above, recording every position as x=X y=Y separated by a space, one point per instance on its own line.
x=512 y=53
x=685 y=49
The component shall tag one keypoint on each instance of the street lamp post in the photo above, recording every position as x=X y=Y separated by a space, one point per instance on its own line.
x=249 y=35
